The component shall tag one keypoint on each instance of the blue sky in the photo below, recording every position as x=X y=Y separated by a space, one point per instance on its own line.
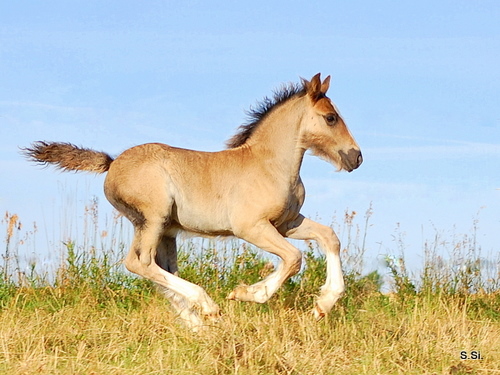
x=417 y=83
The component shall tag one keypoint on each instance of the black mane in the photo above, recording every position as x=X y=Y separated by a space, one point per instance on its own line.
x=261 y=110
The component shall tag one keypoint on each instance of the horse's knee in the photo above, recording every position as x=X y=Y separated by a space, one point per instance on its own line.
x=328 y=239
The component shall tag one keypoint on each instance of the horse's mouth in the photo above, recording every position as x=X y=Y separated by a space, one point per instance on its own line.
x=351 y=160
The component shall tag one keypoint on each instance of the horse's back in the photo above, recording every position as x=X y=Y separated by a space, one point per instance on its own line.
x=184 y=187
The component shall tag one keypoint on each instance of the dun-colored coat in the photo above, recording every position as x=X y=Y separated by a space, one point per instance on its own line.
x=252 y=190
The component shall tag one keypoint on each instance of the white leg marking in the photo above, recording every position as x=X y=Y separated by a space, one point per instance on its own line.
x=334 y=287
x=142 y=260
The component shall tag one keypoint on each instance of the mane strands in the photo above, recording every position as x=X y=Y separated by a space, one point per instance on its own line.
x=261 y=110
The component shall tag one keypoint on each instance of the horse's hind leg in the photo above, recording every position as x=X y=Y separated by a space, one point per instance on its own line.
x=148 y=253
x=166 y=258
x=166 y=255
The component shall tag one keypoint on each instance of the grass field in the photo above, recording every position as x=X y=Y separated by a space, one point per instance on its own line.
x=93 y=317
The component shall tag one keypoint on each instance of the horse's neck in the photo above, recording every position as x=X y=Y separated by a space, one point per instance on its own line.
x=277 y=140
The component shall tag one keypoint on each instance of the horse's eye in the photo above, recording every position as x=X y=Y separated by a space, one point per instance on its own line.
x=331 y=118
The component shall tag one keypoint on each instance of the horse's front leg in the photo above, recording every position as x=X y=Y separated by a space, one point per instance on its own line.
x=333 y=289
x=265 y=236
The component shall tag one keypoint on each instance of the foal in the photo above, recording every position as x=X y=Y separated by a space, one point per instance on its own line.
x=252 y=190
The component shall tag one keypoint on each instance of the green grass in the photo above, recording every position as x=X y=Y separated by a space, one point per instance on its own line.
x=93 y=317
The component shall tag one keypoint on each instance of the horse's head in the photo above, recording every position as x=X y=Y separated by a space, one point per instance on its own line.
x=324 y=131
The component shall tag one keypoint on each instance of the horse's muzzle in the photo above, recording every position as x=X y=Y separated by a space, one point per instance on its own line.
x=351 y=160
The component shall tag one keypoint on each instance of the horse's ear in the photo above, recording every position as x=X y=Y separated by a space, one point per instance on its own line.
x=325 y=85
x=313 y=87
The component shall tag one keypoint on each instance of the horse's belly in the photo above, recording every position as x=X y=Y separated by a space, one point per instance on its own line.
x=206 y=221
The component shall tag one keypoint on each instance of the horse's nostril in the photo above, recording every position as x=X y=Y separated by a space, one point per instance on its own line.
x=352 y=159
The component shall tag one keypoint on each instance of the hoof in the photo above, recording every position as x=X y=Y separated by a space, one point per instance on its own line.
x=249 y=293
x=318 y=313
x=214 y=318
x=240 y=293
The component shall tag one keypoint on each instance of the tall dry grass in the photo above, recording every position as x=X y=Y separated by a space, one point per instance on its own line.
x=92 y=317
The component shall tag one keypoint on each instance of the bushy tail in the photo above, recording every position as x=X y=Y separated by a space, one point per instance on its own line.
x=68 y=157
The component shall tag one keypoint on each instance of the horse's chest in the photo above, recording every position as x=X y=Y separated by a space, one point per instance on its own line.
x=289 y=207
